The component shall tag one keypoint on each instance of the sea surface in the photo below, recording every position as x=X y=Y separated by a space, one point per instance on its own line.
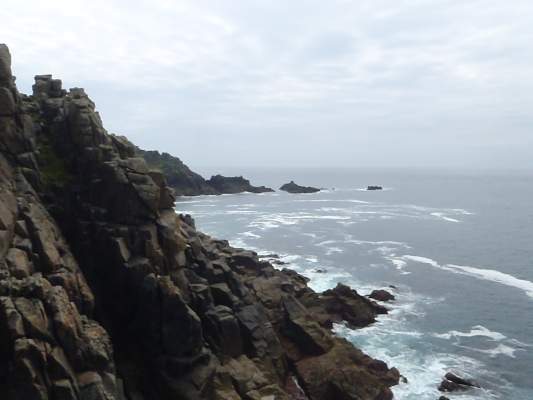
x=457 y=247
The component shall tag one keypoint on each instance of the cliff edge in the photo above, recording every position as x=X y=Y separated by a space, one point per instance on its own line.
x=107 y=293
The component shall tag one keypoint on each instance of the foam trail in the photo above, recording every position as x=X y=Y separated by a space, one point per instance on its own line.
x=444 y=217
x=491 y=275
x=477 y=330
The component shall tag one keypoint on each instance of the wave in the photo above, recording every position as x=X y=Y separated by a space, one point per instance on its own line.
x=444 y=217
x=491 y=275
x=477 y=330
x=333 y=201
x=251 y=234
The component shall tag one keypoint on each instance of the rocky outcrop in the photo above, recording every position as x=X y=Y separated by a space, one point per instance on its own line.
x=106 y=293
x=454 y=383
x=178 y=175
x=235 y=184
x=292 y=187
x=188 y=183
x=373 y=187
x=381 y=295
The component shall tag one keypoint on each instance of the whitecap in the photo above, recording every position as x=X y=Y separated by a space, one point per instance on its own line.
x=333 y=250
x=477 y=330
x=479 y=273
x=444 y=217
x=251 y=234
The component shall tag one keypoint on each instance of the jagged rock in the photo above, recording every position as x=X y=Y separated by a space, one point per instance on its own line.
x=224 y=331
x=7 y=102
x=341 y=374
x=303 y=329
x=5 y=65
x=234 y=184
x=343 y=304
x=18 y=263
x=292 y=187
x=454 y=383
x=188 y=183
x=90 y=244
x=381 y=295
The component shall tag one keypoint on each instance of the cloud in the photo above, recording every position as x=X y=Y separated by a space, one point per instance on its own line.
x=310 y=81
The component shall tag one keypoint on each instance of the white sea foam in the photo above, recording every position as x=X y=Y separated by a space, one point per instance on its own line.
x=232 y=212
x=479 y=273
x=477 y=330
x=333 y=250
x=334 y=201
x=349 y=239
x=391 y=339
x=251 y=234
x=444 y=217
x=500 y=350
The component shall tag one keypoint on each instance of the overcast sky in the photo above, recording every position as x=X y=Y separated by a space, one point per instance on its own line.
x=431 y=83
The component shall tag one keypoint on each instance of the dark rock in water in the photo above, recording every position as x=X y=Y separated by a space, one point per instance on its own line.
x=443 y=398
x=107 y=294
x=292 y=187
x=381 y=295
x=453 y=383
x=461 y=381
x=320 y=271
x=374 y=187
x=235 y=184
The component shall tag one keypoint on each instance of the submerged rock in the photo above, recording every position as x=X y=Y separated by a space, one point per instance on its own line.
x=292 y=187
x=372 y=187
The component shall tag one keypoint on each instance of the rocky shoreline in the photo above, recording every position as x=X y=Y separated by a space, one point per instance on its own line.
x=106 y=293
x=185 y=182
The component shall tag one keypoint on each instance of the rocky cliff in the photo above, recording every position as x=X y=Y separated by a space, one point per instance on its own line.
x=106 y=293
x=188 y=183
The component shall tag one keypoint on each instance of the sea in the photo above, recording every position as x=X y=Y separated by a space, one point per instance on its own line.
x=455 y=249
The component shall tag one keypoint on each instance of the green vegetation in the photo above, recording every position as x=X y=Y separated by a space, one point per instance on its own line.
x=54 y=171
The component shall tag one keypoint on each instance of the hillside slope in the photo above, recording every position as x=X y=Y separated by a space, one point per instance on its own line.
x=188 y=183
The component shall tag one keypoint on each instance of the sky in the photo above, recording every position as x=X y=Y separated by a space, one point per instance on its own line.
x=300 y=83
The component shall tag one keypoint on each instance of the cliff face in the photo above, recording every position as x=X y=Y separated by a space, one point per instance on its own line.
x=188 y=183
x=106 y=293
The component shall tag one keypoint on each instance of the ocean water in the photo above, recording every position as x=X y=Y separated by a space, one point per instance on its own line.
x=457 y=247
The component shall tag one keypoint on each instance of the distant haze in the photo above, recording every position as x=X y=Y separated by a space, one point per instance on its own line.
x=423 y=83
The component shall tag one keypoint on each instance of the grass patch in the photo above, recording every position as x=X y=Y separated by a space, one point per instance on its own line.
x=54 y=171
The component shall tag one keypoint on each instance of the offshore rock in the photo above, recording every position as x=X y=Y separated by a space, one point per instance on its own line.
x=292 y=187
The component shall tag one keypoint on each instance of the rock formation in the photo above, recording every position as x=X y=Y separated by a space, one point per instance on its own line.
x=454 y=383
x=374 y=187
x=381 y=295
x=235 y=184
x=106 y=293
x=292 y=187
x=188 y=183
